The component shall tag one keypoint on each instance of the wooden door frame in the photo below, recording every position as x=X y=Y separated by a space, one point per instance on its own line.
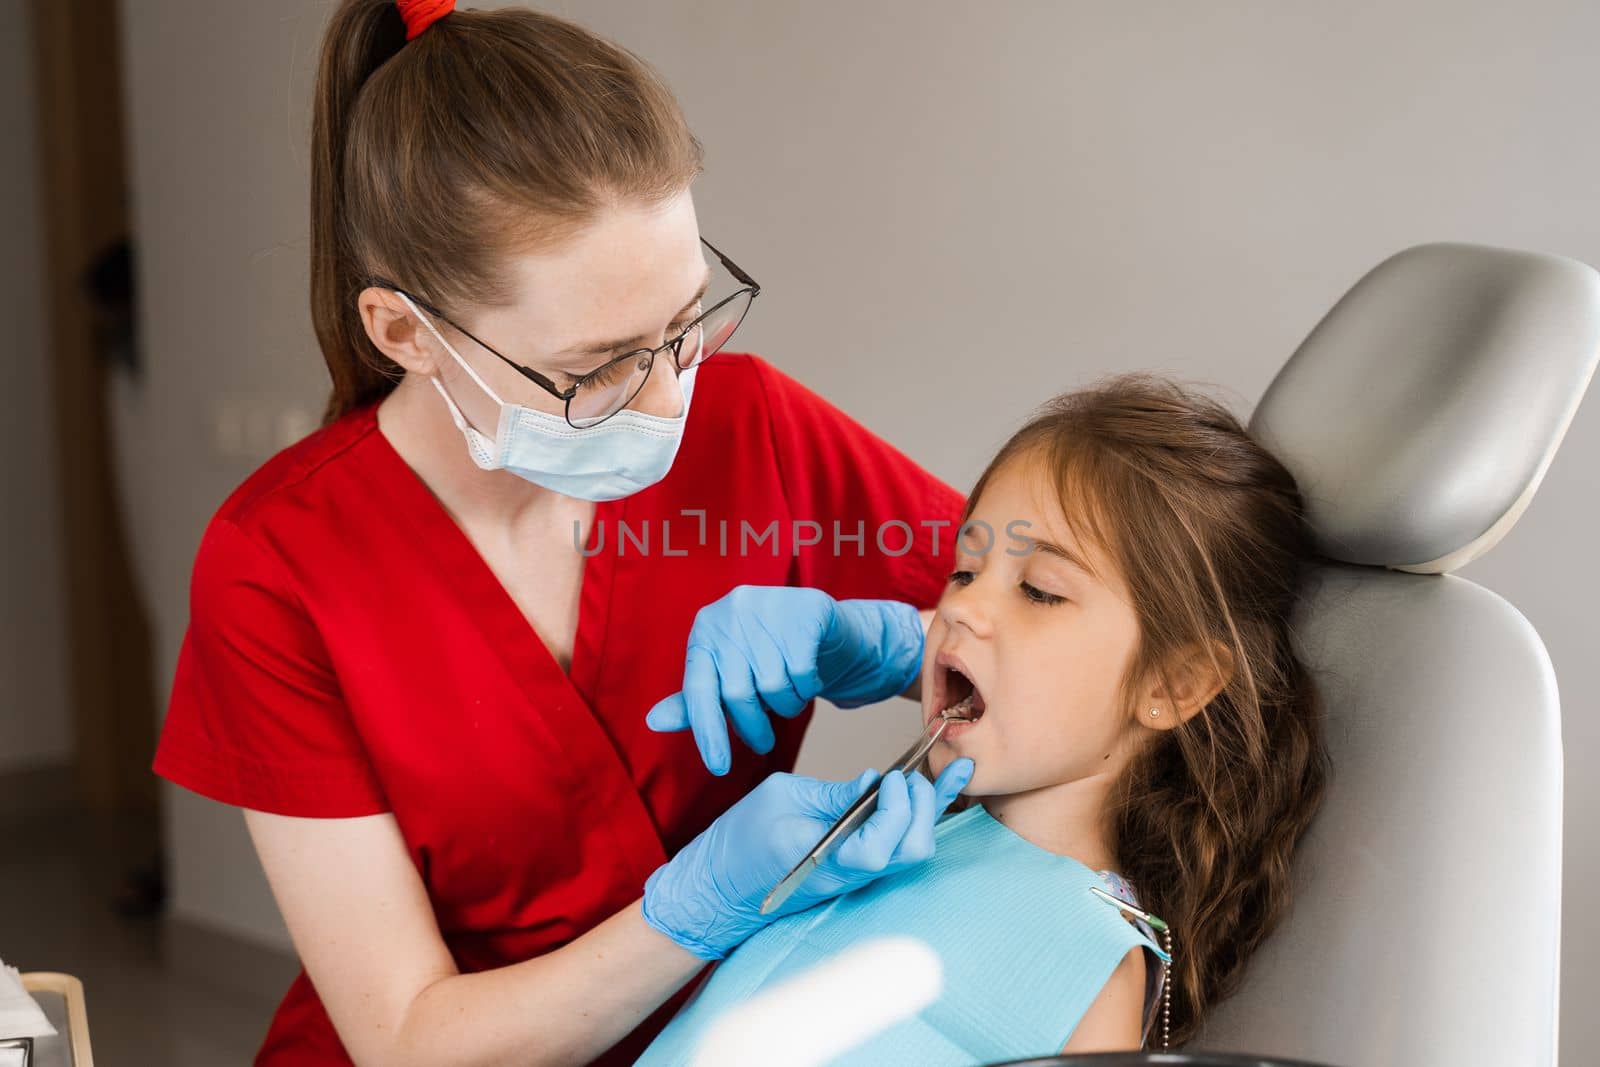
x=83 y=191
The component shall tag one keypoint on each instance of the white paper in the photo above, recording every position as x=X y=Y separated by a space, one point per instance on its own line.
x=20 y=1016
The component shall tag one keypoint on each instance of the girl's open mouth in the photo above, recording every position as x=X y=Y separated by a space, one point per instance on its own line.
x=956 y=696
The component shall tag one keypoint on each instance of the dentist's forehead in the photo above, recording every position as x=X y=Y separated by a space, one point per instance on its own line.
x=624 y=276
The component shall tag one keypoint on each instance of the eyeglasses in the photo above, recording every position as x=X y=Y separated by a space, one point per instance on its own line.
x=612 y=386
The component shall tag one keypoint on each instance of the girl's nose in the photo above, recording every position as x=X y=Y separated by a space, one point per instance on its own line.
x=964 y=606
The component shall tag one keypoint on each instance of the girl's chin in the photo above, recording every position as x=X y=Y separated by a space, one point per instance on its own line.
x=943 y=755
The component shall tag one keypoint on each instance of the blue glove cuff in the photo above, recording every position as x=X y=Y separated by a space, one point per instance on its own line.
x=651 y=909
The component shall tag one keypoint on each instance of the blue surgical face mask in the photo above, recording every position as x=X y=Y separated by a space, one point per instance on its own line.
x=618 y=457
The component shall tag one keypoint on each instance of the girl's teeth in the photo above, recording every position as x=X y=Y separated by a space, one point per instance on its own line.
x=962 y=710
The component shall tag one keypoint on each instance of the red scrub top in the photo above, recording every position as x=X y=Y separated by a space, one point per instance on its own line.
x=349 y=653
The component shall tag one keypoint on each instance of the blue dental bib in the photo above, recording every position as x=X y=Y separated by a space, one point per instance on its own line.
x=1026 y=948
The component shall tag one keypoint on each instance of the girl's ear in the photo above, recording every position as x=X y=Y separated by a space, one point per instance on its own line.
x=1191 y=682
x=396 y=331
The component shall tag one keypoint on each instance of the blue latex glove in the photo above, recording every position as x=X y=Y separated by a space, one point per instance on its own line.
x=708 y=897
x=780 y=647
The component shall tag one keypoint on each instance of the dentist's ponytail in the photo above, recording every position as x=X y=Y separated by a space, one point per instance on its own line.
x=490 y=132
x=363 y=35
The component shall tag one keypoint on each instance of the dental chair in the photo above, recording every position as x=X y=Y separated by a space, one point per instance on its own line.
x=1419 y=417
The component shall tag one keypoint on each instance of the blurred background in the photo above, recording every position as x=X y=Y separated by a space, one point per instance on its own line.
x=955 y=210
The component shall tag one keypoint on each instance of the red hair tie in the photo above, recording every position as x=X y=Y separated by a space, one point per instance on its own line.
x=418 y=15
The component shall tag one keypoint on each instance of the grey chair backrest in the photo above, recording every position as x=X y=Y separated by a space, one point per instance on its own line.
x=1419 y=417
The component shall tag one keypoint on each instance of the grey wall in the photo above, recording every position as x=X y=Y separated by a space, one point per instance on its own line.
x=35 y=725
x=1038 y=192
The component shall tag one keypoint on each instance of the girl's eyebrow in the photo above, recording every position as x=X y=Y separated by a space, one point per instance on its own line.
x=600 y=348
x=1062 y=554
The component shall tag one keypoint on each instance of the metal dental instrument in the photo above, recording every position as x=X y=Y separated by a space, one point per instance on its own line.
x=859 y=812
x=1155 y=923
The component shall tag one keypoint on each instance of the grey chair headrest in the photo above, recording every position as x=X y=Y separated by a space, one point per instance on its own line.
x=1422 y=411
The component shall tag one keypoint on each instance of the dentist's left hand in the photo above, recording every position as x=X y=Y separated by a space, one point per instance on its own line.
x=778 y=647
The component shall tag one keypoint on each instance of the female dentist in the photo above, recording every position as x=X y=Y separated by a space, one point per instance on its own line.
x=423 y=641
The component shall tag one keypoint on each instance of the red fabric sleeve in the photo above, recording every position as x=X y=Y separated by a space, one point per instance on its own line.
x=256 y=717
x=835 y=471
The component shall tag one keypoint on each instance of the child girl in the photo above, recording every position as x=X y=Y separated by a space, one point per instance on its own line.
x=1118 y=626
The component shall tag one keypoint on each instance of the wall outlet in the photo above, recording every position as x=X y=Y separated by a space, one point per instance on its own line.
x=247 y=430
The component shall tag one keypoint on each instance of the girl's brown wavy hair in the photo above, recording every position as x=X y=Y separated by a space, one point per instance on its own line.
x=490 y=132
x=1208 y=530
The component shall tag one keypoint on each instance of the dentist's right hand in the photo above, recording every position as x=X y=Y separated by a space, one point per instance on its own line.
x=708 y=897
x=777 y=647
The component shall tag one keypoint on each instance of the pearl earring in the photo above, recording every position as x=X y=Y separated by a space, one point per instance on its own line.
x=1154 y=712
